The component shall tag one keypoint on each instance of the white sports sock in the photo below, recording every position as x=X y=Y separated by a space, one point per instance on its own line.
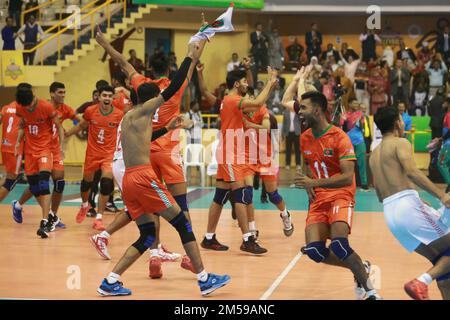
x=202 y=276
x=154 y=253
x=209 y=236
x=17 y=205
x=245 y=236
x=252 y=225
x=98 y=216
x=112 y=278
x=425 y=278
x=284 y=213
x=371 y=292
x=85 y=204
x=105 y=234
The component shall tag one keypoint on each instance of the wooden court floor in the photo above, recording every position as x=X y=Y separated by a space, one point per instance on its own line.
x=66 y=266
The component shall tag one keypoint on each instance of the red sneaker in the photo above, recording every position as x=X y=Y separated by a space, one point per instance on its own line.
x=155 y=268
x=98 y=225
x=100 y=244
x=186 y=264
x=417 y=290
x=82 y=214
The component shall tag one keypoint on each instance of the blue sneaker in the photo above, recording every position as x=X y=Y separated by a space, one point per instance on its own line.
x=213 y=283
x=17 y=213
x=115 y=289
x=60 y=225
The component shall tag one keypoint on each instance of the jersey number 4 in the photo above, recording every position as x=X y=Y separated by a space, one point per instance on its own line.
x=322 y=166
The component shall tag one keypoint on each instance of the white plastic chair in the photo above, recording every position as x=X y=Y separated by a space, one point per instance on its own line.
x=194 y=156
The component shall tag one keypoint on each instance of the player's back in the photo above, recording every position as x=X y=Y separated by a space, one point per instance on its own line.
x=390 y=177
x=10 y=127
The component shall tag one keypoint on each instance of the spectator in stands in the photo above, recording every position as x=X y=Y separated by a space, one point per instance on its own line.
x=443 y=44
x=341 y=79
x=369 y=40
x=400 y=79
x=173 y=67
x=323 y=80
x=15 y=10
x=290 y=133
x=314 y=64
x=406 y=117
x=276 y=49
x=195 y=130
x=347 y=51
x=419 y=100
x=137 y=63
x=406 y=53
x=329 y=52
x=388 y=56
x=353 y=125
x=9 y=42
x=360 y=84
x=377 y=90
x=313 y=41
x=386 y=73
x=31 y=30
x=437 y=112
x=234 y=63
x=259 y=87
x=424 y=54
x=276 y=96
x=436 y=74
x=294 y=52
x=259 y=41
x=30 y=5
x=331 y=63
x=350 y=67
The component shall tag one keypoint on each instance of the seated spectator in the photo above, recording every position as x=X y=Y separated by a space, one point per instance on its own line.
x=419 y=100
x=329 y=52
x=294 y=52
x=234 y=63
x=436 y=72
x=9 y=43
x=31 y=30
x=136 y=62
x=406 y=53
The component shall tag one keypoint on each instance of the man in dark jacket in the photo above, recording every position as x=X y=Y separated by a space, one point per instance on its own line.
x=313 y=41
x=443 y=44
x=260 y=43
x=437 y=113
x=291 y=134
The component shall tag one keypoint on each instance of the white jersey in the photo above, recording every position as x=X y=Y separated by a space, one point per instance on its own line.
x=118 y=154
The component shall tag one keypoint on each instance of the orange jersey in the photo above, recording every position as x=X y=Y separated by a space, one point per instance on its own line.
x=323 y=154
x=64 y=112
x=121 y=101
x=102 y=133
x=38 y=126
x=262 y=147
x=10 y=128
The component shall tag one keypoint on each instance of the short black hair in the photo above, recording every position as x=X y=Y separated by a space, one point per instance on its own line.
x=147 y=91
x=24 y=94
x=317 y=98
x=120 y=77
x=56 y=85
x=107 y=88
x=235 y=76
x=101 y=83
x=159 y=64
x=385 y=118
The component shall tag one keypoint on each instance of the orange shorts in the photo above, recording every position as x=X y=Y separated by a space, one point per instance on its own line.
x=331 y=211
x=11 y=162
x=143 y=193
x=58 y=163
x=231 y=172
x=269 y=173
x=35 y=163
x=168 y=167
x=251 y=170
x=94 y=163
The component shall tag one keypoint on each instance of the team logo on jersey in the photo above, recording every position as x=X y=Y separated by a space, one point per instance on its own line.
x=328 y=152
x=307 y=152
x=112 y=124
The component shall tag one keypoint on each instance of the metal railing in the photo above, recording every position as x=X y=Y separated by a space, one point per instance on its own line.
x=37 y=8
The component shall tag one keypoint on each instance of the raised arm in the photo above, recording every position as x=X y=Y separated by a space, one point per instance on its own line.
x=210 y=98
x=289 y=94
x=249 y=105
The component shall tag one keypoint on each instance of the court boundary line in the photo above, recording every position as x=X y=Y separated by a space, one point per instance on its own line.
x=281 y=277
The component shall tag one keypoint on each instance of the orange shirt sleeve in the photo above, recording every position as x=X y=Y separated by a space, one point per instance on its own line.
x=345 y=148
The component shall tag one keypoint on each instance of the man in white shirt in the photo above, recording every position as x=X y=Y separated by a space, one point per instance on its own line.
x=234 y=63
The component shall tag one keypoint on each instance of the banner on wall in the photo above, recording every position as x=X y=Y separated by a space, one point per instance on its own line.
x=242 y=4
x=12 y=68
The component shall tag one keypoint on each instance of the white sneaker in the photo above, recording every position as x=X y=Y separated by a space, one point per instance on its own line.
x=167 y=256
x=360 y=292
x=100 y=244
x=288 y=226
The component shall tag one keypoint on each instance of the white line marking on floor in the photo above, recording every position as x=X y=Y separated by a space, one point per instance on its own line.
x=281 y=277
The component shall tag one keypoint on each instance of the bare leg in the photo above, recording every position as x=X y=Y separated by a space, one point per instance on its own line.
x=120 y=221
x=26 y=195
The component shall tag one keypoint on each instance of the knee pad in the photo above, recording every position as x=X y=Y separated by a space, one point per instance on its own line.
x=341 y=248
x=33 y=181
x=147 y=237
x=44 y=183
x=182 y=202
x=317 y=251
x=184 y=228
x=249 y=195
x=85 y=185
x=275 y=197
x=242 y=196
x=58 y=185
x=10 y=184
x=221 y=196
x=106 y=186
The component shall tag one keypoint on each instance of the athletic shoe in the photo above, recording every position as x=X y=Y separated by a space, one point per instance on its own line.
x=43 y=231
x=255 y=233
x=81 y=215
x=213 y=244
x=168 y=256
x=155 y=270
x=98 y=225
x=417 y=290
x=17 y=213
x=213 y=283
x=374 y=297
x=288 y=226
x=360 y=292
x=101 y=245
x=252 y=246
x=91 y=213
x=111 y=207
x=60 y=225
x=115 y=289
x=186 y=264
x=53 y=220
